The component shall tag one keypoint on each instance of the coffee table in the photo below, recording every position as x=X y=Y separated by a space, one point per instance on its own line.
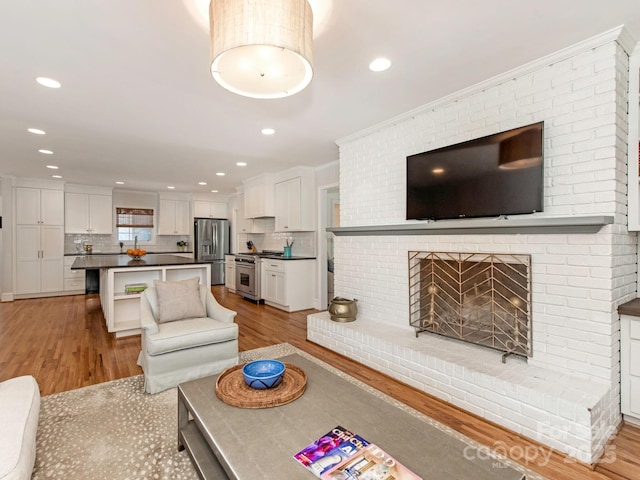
x=227 y=442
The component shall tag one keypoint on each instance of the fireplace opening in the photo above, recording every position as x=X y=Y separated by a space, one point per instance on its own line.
x=479 y=298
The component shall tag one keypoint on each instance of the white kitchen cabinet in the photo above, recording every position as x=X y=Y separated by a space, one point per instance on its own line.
x=248 y=225
x=230 y=272
x=39 y=259
x=39 y=206
x=259 y=199
x=294 y=205
x=630 y=367
x=122 y=311
x=88 y=213
x=208 y=209
x=74 y=280
x=288 y=284
x=173 y=218
x=39 y=241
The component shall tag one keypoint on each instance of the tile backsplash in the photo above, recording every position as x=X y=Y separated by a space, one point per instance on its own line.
x=106 y=243
x=304 y=243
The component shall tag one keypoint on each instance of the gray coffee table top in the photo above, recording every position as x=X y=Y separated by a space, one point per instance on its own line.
x=260 y=443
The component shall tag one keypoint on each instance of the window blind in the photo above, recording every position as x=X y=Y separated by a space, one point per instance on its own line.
x=134 y=217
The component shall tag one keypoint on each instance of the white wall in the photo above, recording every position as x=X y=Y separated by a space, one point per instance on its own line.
x=578 y=279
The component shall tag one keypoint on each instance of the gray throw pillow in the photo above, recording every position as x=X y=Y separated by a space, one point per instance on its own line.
x=179 y=300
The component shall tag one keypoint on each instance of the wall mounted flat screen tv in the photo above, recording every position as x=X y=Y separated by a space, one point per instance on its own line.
x=501 y=174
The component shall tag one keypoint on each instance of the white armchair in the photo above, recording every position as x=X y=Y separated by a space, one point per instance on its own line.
x=180 y=350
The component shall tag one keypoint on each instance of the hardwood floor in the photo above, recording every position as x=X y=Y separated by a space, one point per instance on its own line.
x=63 y=343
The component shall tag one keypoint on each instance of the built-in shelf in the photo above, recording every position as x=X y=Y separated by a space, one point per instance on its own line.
x=471 y=226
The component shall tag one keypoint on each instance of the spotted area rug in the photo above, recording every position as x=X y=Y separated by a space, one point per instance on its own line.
x=115 y=431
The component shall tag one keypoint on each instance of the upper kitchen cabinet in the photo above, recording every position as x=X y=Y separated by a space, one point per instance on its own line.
x=247 y=225
x=294 y=205
x=39 y=206
x=173 y=218
x=259 y=198
x=209 y=209
x=88 y=209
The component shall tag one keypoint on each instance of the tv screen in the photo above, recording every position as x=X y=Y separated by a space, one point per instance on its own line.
x=501 y=174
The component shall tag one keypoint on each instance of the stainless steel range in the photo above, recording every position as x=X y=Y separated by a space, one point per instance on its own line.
x=248 y=274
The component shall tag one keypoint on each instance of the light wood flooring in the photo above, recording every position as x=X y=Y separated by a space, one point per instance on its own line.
x=63 y=343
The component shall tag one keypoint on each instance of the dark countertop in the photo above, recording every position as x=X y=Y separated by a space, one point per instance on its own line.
x=169 y=252
x=631 y=308
x=281 y=257
x=276 y=256
x=91 y=262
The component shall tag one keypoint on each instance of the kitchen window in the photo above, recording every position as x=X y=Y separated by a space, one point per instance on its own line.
x=134 y=222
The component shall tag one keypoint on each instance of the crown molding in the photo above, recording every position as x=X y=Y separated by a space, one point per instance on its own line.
x=618 y=34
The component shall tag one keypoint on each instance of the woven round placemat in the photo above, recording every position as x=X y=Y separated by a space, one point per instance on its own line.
x=233 y=390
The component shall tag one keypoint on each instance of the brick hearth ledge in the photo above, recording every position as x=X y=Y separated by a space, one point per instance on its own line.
x=556 y=409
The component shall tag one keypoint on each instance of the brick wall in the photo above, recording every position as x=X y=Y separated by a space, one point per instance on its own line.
x=578 y=280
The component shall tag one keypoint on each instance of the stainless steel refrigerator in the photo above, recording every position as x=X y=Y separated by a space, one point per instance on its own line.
x=212 y=244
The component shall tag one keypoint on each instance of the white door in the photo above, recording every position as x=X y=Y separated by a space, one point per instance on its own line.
x=27 y=206
x=101 y=214
x=76 y=213
x=166 y=217
x=52 y=207
x=182 y=218
x=27 y=259
x=52 y=259
x=201 y=209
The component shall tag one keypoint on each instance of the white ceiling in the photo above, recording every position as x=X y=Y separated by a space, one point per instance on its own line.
x=138 y=103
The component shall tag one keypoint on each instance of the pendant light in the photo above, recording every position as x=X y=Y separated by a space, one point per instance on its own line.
x=261 y=48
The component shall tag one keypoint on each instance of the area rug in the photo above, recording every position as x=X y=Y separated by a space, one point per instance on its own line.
x=115 y=431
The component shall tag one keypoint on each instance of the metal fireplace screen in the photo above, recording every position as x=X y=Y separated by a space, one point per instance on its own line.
x=479 y=298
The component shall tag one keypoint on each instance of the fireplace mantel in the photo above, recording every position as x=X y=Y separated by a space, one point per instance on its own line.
x=471 y=226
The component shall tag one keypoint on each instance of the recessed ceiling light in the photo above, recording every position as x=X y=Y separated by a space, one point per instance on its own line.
x=46 y=152
x=36 y=131
x=56 y=176
x=53 y=167
x=202 y=183
x=119 y=183
x=214 y=191
x=220 y=174
x=170 y=187
x=380 y=64
x=241 y=164
x=268 y=131
x=437 y=171
x=48 y=82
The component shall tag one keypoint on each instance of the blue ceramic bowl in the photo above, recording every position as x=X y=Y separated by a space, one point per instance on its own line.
x=262 y=374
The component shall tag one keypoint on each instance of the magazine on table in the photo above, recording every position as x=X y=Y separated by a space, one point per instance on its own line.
x=342 y=455
x=329 y=450
x=370 y=463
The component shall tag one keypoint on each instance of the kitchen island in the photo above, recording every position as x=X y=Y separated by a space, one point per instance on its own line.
x=122 y=310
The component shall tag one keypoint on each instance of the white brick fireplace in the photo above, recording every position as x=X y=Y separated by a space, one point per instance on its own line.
x=566 y=394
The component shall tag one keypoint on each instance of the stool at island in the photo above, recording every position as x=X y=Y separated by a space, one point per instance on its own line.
x=186 y=334
x=19 y=413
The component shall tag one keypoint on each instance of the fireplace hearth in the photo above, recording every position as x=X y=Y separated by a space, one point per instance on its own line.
x=479 y=298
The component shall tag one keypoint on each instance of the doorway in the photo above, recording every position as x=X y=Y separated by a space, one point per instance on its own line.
x=329 y=215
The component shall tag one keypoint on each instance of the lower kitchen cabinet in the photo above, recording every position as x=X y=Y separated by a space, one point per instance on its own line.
x=630 y=367
x=230 y=272
x=74 y=280
x=121 y=310
x=39 y=259
x=288 y=284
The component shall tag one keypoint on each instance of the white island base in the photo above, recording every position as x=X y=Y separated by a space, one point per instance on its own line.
x=122 y=311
